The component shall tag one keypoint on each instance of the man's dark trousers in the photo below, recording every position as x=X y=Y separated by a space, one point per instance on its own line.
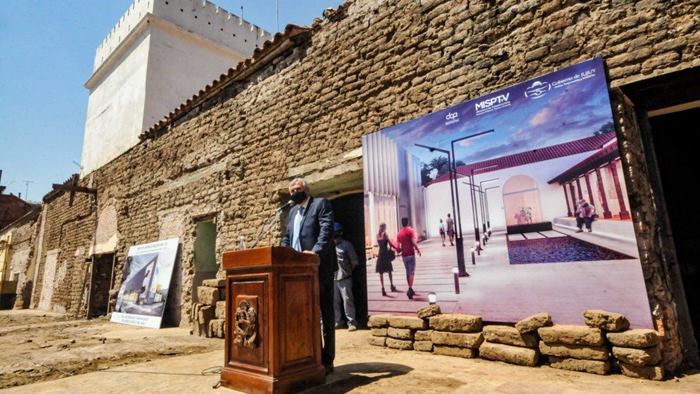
x=328 y=318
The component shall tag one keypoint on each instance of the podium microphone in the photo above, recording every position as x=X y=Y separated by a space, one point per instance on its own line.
x=286 y=205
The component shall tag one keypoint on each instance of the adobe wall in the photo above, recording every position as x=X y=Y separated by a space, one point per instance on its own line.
x=369 y=65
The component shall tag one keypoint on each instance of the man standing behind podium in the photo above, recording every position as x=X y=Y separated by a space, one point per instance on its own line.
x=310 y=230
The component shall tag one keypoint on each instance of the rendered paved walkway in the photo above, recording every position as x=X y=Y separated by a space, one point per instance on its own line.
x=361 y=368
x=501 y=292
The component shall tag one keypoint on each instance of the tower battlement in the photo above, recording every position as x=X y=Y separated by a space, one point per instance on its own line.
x=197 y=16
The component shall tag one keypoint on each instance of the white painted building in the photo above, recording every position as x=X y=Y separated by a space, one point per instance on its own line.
x=160 y=53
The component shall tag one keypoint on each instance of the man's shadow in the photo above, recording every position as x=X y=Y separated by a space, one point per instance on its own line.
x=351 y=376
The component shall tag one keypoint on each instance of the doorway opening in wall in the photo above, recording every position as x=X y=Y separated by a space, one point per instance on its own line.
x=667 y=108
x=100 y=284
x=348 y=210
x=205 y=266
x=678 y=166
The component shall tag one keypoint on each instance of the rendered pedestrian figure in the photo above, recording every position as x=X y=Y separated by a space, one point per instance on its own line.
x=585 y=213
x=347 y=262
x=441 y=228
x=406 y=238
x=450 y=229
x=386 y=255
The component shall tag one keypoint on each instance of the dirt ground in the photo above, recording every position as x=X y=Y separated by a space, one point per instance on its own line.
x=38 y=346
x=69 y=356
x=361 y=368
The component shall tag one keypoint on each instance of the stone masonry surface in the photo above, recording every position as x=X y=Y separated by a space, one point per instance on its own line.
x=366 y=66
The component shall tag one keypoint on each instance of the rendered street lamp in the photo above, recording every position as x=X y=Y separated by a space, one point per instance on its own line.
x=460 y=248
x=477 y=236
x=483 y=198
x=460 y=241
x=478 y=190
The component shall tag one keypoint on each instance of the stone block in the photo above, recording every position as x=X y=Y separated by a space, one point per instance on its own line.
x=428 y=311
x=422 y=335
x=217 y=328
x=206 y=313
x=639 y=338
x=423 y=346
x=377 y=341
x=601 y=353
x=638 y=357
x=455 y=351
x=198 y=328
x=606 y=321
x=634 y=371
x=456 y=323
x=208 y=295
x=532 y=323
x=510 y=354
x=411 y=322
x=572 y=335
x=510 y=336
x=378 y=321
x=399 y=344
x=400 y=333
x=458 y=339
x=220 y=311
x=573 y=364
x=379 y=332
x=214 y=283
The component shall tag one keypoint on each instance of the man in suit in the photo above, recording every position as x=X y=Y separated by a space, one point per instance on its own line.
x=310 y=230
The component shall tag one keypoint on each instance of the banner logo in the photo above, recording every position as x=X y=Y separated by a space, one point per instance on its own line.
x=492 y=104
x=451 y=117
x=537 y=89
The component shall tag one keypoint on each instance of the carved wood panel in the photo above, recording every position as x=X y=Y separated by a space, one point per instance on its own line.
x=248 y=348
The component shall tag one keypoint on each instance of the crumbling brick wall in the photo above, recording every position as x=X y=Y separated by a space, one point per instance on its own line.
x=21 y=257
x=368 y=65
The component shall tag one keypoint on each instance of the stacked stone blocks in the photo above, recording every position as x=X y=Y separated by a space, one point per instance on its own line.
x=603 y=344
x=638 y=353
x=516 y=345
x=209 y=315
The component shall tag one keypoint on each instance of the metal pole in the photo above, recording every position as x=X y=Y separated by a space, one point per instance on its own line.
x=460 y=250
x=459 y=239
x=477 y=236
x=483 y=213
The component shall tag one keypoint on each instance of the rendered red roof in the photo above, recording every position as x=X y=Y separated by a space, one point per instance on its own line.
x=533 y=156
x=604 y=155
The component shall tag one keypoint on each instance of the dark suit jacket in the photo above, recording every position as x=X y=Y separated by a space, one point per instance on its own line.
x=316 y=234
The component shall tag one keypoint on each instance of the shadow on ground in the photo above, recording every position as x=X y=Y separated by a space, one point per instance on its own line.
x=351 y=376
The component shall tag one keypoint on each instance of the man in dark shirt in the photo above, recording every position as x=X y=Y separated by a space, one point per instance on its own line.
x=347 y=261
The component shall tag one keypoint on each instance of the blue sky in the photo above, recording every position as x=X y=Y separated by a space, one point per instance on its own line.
x=47 y=49
x=564 y=112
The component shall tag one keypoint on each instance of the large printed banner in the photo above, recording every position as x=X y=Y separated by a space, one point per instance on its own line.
x=538 y=198
x=144 y=290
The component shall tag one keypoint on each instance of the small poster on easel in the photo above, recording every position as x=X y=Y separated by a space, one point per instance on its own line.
x=146 y=281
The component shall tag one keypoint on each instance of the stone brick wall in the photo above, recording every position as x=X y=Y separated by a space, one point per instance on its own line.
x=368 y=65
x=21 y=257
x=68 y=228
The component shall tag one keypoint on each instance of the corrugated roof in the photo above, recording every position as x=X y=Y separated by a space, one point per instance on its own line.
x=261 y=56
x=533 y=156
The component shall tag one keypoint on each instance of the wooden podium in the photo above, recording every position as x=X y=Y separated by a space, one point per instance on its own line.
x=273 y=333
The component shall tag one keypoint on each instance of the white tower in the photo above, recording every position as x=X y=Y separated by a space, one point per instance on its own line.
x=160 y=53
